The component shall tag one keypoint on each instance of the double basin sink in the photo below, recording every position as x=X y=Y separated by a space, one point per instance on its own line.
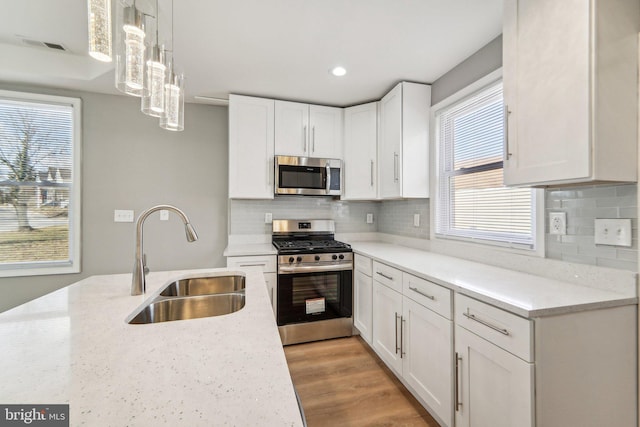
x=192 y=298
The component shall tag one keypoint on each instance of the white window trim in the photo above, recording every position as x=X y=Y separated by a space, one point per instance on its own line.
x=434 y=179
x=74 y=266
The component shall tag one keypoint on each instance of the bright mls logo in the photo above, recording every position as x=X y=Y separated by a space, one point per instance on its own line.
x=34 y=415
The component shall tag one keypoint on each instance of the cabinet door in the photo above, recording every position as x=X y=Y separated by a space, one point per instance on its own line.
x=360 y=151
x=546 y=50
x=387 y=316
x=427 y=363
x=325 y=132
x=362 y=304
x=390 y=144
x=494 y=387
x=291 y=128
x=251 y=147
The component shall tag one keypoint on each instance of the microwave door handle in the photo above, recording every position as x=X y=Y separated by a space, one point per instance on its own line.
x=328 y=177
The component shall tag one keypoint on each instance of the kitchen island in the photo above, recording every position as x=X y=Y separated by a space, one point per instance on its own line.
x=74 y=346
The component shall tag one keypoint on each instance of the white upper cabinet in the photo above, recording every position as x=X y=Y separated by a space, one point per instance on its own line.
x=403 y=146
x=251 y=147
x=360 y=152
x=305 y=130
x=571 y=91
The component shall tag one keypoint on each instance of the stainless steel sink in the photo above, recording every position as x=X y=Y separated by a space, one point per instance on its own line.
x=193 y=307
x=204 y=286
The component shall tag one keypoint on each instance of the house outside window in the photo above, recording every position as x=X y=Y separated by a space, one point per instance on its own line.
x=472 y=204
x=39 y=184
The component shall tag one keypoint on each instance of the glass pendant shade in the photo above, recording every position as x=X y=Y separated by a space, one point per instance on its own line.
x=130 y=50
x=154 y=80
x=99 y=14
x=173 y=116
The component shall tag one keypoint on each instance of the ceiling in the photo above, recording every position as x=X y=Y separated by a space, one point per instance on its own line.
x=271 y=48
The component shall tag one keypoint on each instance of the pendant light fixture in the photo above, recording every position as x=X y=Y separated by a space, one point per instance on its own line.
x=99 y=15
x=130 y=49
x=155 y=76
x=172 y=117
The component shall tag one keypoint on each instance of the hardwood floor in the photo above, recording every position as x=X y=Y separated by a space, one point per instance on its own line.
x=341 y=382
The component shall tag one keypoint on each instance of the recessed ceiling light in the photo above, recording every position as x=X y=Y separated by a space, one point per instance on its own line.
x=338 y=71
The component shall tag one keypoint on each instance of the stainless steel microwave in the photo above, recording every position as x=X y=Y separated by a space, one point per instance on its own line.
x=307 y=176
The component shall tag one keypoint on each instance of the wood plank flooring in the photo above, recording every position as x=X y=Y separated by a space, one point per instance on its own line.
x=341 y=382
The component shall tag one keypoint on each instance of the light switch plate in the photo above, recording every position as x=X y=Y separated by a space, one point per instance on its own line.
x=416 y=220
x=164 y=215
x=614 y=232
x=268 y=218
x=369 y=218
x=120 y=215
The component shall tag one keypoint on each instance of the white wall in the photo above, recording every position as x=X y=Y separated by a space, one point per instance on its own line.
x=128 y=162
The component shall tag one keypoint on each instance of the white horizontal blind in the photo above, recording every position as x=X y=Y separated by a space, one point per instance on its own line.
x=36 y=180
x=472 y=201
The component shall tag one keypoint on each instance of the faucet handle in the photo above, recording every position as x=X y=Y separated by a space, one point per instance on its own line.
x=144 y=264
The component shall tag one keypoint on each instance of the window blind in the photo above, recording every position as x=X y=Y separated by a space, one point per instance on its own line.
x=472 y=200
x=36 y=180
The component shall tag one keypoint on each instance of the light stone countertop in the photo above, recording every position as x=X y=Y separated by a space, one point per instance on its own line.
x=73 y=346
x=524 y=294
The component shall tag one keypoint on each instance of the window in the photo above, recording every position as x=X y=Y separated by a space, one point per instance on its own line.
x=472 y=203
x=39 y=184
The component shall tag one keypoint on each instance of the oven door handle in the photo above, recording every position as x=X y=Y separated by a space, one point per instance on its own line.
x=313 y=268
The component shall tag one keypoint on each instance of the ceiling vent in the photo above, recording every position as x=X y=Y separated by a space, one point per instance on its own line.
x=38 y=43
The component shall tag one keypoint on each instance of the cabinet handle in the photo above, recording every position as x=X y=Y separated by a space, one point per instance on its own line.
x=384 y=275
x=506 y=113
x=372 y=173
x=252 y=265
x=313 y=139
x=397 y=334
x=304 y=138
x=458 y=404
x=402 y=321
x=484 y=322
x=395 y=167
x=416 y=290
x=272 y=295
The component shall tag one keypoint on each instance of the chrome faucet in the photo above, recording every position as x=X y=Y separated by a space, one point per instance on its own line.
x=138 y=283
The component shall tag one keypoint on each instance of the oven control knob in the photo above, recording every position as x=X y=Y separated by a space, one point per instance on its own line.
x=341 y=257
x=334 y=257
x=299 y=259
x=291 y=259
x=317 y=257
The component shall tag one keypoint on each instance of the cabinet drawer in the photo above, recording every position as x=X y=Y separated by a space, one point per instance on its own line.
x=428 y=294
x=267 y=262
x=504 y=329
x=364 y=264
x=389 y=276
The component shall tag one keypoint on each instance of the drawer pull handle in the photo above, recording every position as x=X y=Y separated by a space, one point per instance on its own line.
x=485 y=323
x=252 y=265
x=384 y=275
x=416 y=290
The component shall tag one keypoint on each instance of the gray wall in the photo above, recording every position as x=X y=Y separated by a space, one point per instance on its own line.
x=128 y=162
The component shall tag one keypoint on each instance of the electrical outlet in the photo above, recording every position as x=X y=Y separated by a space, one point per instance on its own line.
x=369 y=218
x=558 y=223
x=122 y=215
x=416 y=220
x=268 y=218
x=164 y=215
x=615 y=232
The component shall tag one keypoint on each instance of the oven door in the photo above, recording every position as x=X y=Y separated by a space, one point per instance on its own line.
x=310 y=296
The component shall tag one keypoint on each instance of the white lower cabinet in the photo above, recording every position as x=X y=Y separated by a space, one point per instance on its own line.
x=413 y=340
x=494 y=388
x=387 y=315
x=362 y=314
x=426 y=360
x=268 y=265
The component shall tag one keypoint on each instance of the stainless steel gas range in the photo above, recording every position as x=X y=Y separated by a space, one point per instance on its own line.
x=315 y=281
